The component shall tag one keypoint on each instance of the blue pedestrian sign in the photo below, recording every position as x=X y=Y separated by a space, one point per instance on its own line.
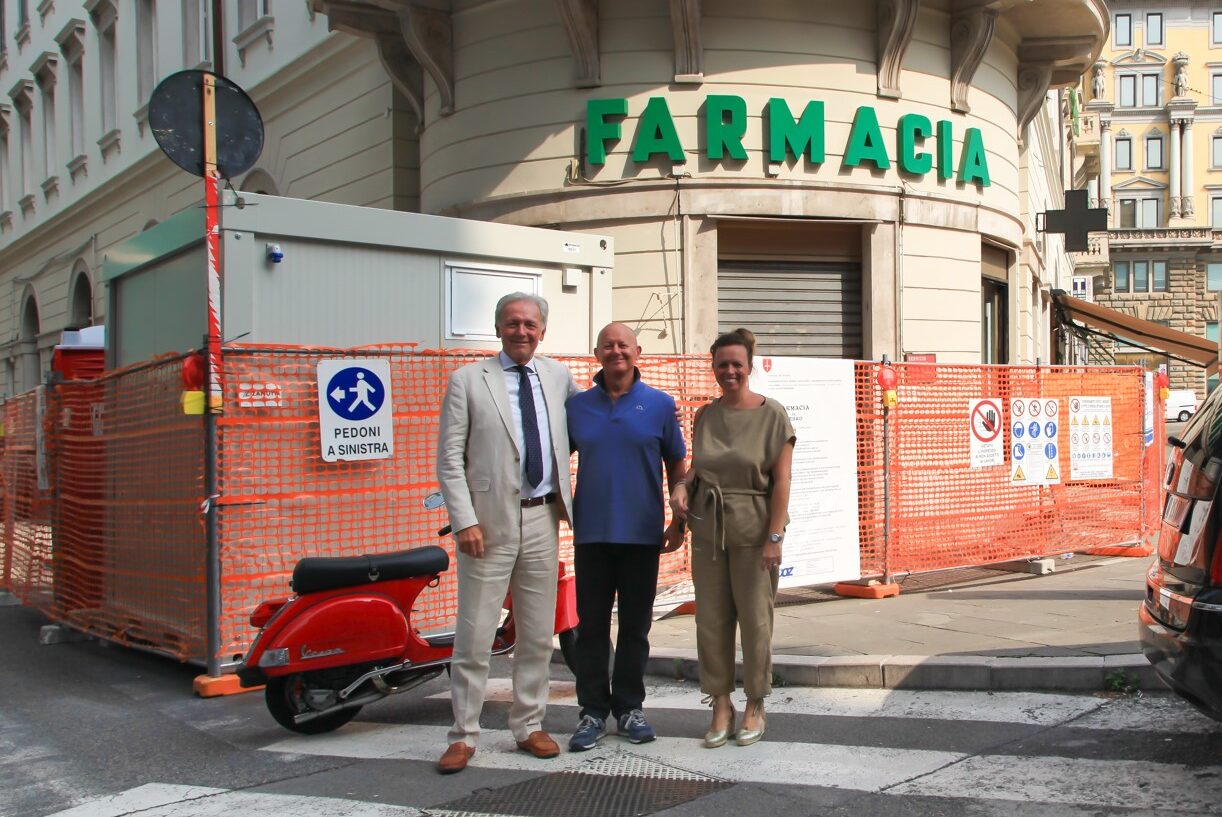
x=355 y=409
x=355 y=393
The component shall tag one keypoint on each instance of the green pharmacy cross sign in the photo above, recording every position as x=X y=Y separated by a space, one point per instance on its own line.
x=789 y=136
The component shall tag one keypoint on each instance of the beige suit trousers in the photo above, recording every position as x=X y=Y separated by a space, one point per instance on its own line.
x=525 y=563
x=732 y=592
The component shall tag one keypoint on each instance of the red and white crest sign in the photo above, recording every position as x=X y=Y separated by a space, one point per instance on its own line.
x=767 y=364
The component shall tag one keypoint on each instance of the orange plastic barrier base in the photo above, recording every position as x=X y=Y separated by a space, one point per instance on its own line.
x=211 y=686
x=687 y=608
x=1121 y=550
x=870 y=590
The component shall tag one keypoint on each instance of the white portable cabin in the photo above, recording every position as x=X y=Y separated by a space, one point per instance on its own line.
x=312 y=273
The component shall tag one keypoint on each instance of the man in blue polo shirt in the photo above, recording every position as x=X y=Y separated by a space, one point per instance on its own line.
x=623 y=432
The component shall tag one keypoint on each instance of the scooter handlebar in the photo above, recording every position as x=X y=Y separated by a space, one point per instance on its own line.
x=445 y=531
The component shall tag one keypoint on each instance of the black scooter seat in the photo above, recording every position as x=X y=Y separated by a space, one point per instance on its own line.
x=317 y=573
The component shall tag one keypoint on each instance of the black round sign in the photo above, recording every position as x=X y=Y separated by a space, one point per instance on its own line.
x=176 y=117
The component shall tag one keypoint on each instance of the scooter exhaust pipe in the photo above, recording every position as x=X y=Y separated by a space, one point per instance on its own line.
x=381 y=690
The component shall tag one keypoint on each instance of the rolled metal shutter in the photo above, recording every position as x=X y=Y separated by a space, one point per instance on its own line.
x=794 y=308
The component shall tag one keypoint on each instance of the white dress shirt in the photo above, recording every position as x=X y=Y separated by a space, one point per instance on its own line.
x=546 y=485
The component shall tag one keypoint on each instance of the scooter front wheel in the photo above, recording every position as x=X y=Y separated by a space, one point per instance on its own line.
x=285 y=699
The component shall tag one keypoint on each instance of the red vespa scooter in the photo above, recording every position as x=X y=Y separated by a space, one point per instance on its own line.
x=346 y=638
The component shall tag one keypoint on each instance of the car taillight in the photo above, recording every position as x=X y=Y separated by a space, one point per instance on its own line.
x=264 y=612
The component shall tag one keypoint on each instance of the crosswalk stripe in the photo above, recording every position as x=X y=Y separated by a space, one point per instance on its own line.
x=855 y=767
x=1128 y=784
x=166 y=800
x=1119 y=783
x=1028 y=708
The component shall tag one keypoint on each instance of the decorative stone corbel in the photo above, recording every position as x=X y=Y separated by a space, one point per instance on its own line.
x=896 y=21
x=580 y=18
x=429 y=35
x=689 y=43
x=1033 y=82
x=971 y=33
x=404 y=72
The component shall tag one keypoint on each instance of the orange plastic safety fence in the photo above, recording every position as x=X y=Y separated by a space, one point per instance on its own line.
x=119 y=551
x=943 y=513
x=279 y=501
x=121 y=491
x=27 y=506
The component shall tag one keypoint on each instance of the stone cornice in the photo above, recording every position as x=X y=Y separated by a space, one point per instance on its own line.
x=971 y=33
x=404 y=72
x=685 y=16
x=580 y=18
x=896 y=20
x=429 y=35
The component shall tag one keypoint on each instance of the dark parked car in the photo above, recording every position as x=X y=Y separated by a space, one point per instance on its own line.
x=1181 y=618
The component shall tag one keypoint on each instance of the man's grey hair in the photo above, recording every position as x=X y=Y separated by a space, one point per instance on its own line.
x=514 y=297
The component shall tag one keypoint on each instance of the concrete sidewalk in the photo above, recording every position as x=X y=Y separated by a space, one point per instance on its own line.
x=978 y=628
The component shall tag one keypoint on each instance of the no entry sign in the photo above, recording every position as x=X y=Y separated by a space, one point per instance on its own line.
x=985 y=421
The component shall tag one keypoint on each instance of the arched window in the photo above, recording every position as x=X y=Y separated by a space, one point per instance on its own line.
x=80 y=307
x=30 y=367
x=259 y=181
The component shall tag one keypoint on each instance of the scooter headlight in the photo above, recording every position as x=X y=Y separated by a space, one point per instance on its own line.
x=274 y=658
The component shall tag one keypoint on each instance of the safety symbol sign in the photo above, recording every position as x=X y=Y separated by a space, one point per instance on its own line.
x=1038 y=452
x=355 y=409
x=1090 y=453
x=985 y=422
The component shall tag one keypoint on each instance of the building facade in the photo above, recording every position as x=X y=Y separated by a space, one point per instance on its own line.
x=1149 y=148
x=846 y=180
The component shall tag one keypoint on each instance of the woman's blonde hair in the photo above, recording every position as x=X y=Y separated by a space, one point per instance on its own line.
x=739 y=337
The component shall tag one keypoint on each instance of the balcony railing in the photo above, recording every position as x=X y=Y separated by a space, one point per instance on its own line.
x=1096 y=253
x=1165 y=236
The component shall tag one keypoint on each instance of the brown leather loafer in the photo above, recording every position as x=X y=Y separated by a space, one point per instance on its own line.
x=455 y=759
x=539 y=744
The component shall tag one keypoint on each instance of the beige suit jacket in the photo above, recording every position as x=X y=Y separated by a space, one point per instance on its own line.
x=478 y=462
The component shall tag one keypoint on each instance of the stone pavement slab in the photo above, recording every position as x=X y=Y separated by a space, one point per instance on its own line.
x=1068 y=630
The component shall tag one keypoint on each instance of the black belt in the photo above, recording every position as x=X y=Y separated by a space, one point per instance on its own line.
x=546 y=499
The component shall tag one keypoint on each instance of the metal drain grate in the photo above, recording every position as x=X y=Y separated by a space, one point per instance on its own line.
x=617 y=785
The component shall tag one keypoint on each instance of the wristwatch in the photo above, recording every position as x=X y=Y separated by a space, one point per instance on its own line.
x=775 y=538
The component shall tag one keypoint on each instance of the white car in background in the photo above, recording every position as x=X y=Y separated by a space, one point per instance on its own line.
x=1181 y=404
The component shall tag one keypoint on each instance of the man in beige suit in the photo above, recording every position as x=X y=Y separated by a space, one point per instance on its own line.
x=503 y=465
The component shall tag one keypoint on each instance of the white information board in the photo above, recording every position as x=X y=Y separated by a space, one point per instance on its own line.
x=985 y=422
x=1034 y=455
x=821 y=543
x=355 y=409
x=1090 y=438
x=1147 y=415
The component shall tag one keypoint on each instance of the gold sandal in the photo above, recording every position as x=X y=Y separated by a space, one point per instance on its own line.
x=748 y=736
x=718 y=737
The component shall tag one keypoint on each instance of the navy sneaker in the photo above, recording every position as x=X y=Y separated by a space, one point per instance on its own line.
x=633 y=726
x=589 y=732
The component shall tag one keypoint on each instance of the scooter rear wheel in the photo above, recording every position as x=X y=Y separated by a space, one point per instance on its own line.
x=285 y=699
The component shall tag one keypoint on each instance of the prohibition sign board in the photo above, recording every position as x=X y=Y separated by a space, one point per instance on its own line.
x=986 y=420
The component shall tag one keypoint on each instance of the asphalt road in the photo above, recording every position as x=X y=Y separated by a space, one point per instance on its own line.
x=88 y=730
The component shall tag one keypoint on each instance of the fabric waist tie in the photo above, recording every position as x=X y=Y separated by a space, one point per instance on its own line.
x=714 y=496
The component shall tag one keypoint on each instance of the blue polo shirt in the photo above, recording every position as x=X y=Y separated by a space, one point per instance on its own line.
x=621 y=448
